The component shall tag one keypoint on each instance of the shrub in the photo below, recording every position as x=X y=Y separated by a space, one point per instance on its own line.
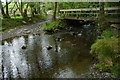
x=107 y=49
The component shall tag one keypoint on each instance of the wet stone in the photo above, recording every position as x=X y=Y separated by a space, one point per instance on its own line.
x=27 y=32
x=59 y=39
x=37 y=30
x=56 y=30
x=73 y=33
x=30 y=20
x=24 y=22
x=49 y=47
x=2 y=43
x=24 y=47
x=70 y=29
x=79 y=34
x=73 y=44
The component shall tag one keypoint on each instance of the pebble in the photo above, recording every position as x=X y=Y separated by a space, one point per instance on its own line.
x=27 y=32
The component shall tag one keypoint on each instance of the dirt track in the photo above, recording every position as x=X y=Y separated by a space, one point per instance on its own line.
x=33 y=28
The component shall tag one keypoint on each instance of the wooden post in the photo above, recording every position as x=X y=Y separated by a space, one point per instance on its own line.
x=102 y=22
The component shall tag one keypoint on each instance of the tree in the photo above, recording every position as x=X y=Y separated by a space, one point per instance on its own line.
x=7 y=10
x=2 y=10
x=54 y=12
x=21 y=7
x=25 y=11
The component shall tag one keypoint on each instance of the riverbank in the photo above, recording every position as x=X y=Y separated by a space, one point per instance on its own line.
x=32 y=28
x=10 y=23
x=23 y=30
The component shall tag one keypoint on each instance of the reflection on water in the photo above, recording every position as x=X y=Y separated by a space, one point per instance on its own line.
x=46 y=59
x=67 y=59
x=14 y=61
x=67 y=73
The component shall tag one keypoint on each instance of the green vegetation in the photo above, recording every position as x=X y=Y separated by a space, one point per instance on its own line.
x=18 y=21
x=103 y=67
x=53 y=25
x=107 y=49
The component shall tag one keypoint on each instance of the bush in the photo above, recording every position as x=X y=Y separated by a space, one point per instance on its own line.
x=107 y=49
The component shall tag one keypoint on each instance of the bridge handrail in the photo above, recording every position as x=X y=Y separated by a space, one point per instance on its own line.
x=92 y=13
x=90 y=9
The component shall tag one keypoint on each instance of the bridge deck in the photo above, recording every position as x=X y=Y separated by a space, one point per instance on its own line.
x=67 y=13
x=112 y=20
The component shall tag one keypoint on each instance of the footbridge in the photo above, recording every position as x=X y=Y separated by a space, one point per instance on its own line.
x=112 y=14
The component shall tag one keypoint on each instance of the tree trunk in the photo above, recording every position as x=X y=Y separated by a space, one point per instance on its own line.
x=25 y=12
x=2 y=10
x=12 y=9
x=21 y=8
x=54 y=12
x=7 y=10
x=38 y=9
x=32 y=11
x=35 y=11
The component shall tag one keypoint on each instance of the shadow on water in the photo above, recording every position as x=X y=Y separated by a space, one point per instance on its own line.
x=68 y=58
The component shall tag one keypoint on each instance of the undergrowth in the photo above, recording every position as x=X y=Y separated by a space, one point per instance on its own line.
x=107 y=49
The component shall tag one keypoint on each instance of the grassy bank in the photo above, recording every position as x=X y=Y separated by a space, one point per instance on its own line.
x=107 y=50
x=54 y=25
x=19 y=21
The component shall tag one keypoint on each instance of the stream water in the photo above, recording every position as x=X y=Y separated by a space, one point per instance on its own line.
x=68 y=57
